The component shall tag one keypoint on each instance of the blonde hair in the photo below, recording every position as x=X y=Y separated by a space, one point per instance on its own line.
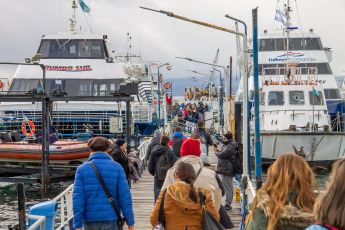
x=289 y=172
x=196 y=136
x=330 y=206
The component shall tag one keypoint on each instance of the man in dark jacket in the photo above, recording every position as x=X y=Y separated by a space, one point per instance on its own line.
x=154 y=142
x=205 y=135
x=91 y=207
x=176 y=141
x=225 y=168
x=152 y=166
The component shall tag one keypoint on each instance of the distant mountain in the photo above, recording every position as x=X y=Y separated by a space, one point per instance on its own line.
x=179 y=85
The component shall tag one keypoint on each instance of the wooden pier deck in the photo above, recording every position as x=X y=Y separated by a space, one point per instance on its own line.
x=142 y=195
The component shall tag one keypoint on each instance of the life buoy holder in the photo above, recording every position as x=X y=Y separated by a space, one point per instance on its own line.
x=32 y=125
x=167 y=85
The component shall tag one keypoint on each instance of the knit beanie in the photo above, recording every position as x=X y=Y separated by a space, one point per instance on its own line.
x=228 y=136
x=120 y=142
x=98 y=144
x=190 y=147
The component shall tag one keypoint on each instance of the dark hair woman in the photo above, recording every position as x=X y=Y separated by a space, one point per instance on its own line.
x=329 y=208
x=182 y=208
x=286 y=200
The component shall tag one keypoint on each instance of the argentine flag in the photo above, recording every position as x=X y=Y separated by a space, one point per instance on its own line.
x=280 y=17
x=83 y=6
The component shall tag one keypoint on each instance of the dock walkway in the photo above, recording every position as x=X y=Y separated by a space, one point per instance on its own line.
x=142 y=195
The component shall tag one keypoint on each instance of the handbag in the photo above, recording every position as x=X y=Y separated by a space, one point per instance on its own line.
x=120 y=220
x=160 y=225
x=209 y=222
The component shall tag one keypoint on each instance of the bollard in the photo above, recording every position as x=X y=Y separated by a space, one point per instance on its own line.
x=47 y=209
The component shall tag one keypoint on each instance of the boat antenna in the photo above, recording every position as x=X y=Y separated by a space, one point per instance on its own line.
x=129 y=46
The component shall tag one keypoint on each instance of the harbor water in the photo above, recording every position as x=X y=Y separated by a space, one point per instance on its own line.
x=8 y=195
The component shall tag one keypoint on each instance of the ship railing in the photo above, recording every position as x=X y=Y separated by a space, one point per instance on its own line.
x=65 y=209
x=40 y=222
x=289 y=75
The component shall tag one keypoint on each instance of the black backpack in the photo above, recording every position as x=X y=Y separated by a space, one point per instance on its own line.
x=237 y=164
x=176 y=145
x=163 y=165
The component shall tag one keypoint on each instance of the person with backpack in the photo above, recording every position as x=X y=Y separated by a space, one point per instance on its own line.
x=91 y=207
x=181 y=206
x=329 y=207
x=161 y=160
x=226 y=157
x=154 y=142
x=203 y=134
x=176 y=141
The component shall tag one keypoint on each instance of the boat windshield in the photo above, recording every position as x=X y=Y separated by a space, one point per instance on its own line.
x=276 y=98
x=73 y=87
x=72 y=48
x=322 y=68
x=279 y=44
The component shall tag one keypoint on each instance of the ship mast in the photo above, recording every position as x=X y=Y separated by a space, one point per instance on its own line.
x=73 y=19
x=287 y=12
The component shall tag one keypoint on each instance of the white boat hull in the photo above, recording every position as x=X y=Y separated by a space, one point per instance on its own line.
x=318 y=148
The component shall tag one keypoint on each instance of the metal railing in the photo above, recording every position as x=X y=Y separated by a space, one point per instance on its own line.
x=41 y=222
x=65 y=209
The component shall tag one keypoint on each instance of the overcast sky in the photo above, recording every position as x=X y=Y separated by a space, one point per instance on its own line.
x=158 y=37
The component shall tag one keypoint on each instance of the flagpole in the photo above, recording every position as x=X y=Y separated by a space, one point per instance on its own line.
x=287 y=34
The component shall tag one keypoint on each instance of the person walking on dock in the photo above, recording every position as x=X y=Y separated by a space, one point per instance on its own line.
x=287 y=198
x=118 y=153
x=181 y=207
x=91 y=207
x=177 y=140
x=203 y=134
x=329 y=206
x=155 y=141
x=161 y=160
x=226 y=157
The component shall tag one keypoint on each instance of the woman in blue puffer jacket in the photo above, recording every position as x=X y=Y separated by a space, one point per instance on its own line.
x=91 y=207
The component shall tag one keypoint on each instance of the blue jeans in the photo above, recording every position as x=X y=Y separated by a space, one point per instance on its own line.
x=100 y=225
x=156 y=191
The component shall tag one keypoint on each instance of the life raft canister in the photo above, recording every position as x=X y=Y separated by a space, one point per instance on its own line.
x=167 y=85
x=32 y=128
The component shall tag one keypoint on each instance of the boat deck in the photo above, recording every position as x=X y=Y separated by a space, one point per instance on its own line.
x=142 y=195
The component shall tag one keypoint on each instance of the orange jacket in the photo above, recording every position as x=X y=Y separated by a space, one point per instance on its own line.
x=180 y=212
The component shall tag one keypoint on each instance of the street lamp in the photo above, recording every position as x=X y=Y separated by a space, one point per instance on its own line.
x=169 y=67
x=220 y=95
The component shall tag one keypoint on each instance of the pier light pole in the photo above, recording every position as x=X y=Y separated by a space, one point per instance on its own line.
x=159 y=92
x=220 y=87
x=245 y=79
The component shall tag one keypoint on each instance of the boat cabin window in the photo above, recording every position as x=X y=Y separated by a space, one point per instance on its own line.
x=315 y=98
x=251 y=95
x=296 y=97
x=280 y=44
x=276 y=98
x=72 y=48
x=240 y=97
x=73 y=87
x=332 y=93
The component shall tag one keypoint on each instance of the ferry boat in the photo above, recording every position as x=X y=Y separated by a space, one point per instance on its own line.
x=299 y=98
x=81 y=64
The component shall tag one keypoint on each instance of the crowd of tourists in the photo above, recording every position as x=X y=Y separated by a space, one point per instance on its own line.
x=188 y=191
x=191 y=112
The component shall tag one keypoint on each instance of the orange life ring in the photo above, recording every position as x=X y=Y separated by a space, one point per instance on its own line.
x=167 y=85
x=155 y=102
x=32 y=128
x=1 y=84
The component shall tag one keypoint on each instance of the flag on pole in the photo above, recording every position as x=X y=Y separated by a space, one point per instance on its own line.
x=316 y=93
x=280 y=17
x=84 y=7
